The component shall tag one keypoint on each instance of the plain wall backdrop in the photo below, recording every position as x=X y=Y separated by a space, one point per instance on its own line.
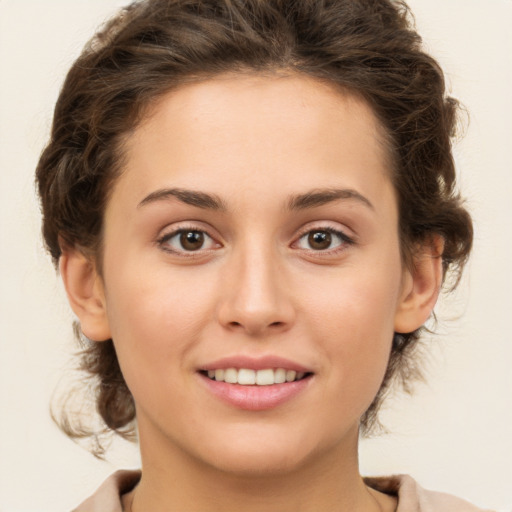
x=454 y=434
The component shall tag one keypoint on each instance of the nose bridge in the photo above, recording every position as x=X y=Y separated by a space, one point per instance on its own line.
x=255 y=296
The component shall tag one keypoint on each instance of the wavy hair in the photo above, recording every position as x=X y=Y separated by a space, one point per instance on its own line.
x=366 y=47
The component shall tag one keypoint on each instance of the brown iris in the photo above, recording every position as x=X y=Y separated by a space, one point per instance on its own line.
x=319 y=240
x=192 y=240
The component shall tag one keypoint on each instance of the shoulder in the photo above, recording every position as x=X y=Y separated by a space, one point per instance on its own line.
x=413 y=498
x=108 y=496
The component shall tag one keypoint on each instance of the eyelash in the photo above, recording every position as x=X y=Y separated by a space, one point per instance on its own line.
x=164 y=240
x=344 y=239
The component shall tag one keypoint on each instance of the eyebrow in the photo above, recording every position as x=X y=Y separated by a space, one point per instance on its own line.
x=310 y=199
x=191 y=197
x=320 y=197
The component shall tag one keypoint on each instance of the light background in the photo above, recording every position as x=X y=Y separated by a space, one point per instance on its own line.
x=455 y=434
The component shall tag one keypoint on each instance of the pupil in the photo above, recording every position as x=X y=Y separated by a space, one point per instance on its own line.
x=192 y=240
x=319 y=239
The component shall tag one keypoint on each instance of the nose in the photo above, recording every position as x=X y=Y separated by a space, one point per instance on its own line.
x=255 y=298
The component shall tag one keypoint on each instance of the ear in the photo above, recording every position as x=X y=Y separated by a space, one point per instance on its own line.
x=421 y=286
x=84 y=288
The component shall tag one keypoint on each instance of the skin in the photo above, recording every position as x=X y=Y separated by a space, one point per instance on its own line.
x=256 y=287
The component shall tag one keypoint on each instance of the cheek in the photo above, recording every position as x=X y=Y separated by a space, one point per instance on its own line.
x=155 y=319
x=354 y=326
x=147 y=295
x=357 y=305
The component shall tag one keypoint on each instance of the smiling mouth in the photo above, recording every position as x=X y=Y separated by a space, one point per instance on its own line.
x=249 y=377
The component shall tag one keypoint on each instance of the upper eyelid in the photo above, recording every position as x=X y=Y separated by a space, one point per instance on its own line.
x=173 y=233
x=344 y=238
x=332 y=226
x=347 y=239
x=322 y=227
x=185 y=255
x=168 y=233
x=178 y=227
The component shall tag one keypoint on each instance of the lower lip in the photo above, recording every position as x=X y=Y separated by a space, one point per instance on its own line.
x=256 y=398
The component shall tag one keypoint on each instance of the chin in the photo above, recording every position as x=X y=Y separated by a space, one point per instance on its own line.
x=262 y=455
x=262 y=464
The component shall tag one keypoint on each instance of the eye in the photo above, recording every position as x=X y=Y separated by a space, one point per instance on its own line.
x=187 y=240
x=323 y=239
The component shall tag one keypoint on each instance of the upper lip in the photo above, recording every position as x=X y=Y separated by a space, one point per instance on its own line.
x=255 y=363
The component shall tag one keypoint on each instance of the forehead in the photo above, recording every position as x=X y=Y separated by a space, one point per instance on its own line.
x=269 y=128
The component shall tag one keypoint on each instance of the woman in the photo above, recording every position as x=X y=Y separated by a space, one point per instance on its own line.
x=253 y=208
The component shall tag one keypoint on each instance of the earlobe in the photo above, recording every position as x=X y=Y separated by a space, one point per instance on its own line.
x=421 y=286
x=84 y=289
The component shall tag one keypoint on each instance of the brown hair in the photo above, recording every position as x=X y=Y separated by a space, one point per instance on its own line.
x=368 y=47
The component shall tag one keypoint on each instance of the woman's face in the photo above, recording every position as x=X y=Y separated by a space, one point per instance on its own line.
x=254 y=229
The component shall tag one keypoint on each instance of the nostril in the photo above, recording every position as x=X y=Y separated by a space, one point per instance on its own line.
x=273 y=325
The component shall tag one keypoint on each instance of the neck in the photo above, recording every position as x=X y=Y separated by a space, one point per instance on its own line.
x=329 y=482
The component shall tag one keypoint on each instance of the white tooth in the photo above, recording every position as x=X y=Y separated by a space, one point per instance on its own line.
x=246 y=376
x=219 y=375
x=231 y=375
x=280 y=376
x=211 y=374
x=300 y=375
x=290 y=375
x=265 y=377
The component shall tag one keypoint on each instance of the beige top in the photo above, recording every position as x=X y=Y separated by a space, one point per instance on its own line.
x=411 y=497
